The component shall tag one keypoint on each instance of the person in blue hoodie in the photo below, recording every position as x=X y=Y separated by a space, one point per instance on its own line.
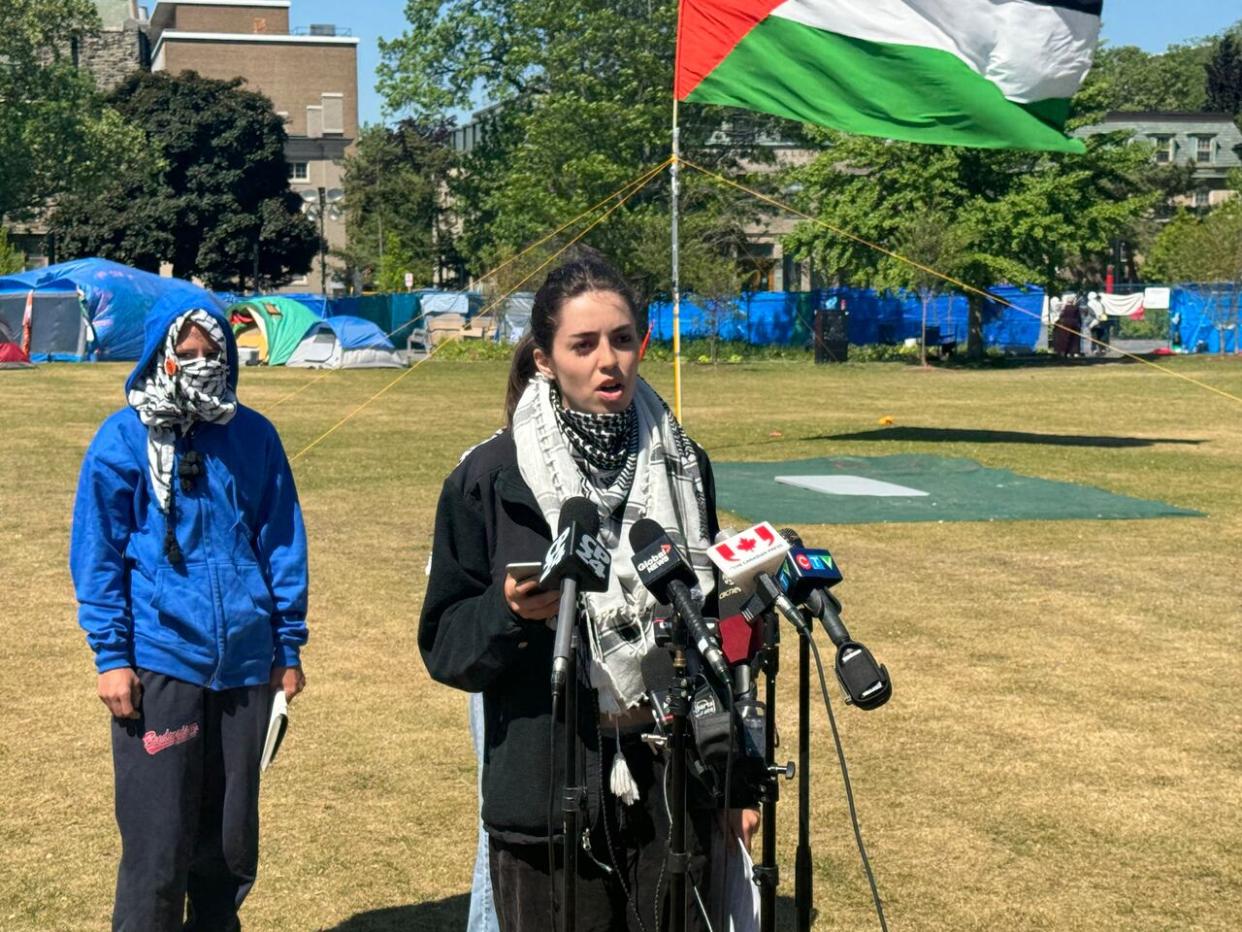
x=188 y=556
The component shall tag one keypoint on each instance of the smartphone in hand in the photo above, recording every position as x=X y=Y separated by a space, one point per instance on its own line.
x=524 y=571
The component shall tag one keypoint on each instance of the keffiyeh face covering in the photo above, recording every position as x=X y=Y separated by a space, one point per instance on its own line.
x=172 y=397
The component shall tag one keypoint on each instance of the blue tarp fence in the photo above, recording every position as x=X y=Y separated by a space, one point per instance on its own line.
x=1203 y=316
x=787 y=318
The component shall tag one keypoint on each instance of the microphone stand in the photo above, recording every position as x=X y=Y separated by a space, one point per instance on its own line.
x=767 y=874
x=679 y=708
x=803 y=882
x=571 y=798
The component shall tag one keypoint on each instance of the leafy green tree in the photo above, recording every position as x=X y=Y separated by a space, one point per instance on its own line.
x=11 y=258
x=395 y=184
x=1017 y=217
x=219 y=206
x=1224 y=77
x=581 y=103
x=56 y=134
x=1125 y=77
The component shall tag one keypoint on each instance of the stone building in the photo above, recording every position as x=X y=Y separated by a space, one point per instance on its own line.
x=121 y=46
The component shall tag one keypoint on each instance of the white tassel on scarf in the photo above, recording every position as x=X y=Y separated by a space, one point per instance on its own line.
x=621 y=781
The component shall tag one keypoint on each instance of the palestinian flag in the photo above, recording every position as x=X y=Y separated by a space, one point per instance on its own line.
x=990 y=73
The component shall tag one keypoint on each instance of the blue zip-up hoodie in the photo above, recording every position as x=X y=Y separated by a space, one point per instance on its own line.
x=236 y=606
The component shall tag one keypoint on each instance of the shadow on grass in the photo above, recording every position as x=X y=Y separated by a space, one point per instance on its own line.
x=446 y=915
x=969 y=435
x=449 y=915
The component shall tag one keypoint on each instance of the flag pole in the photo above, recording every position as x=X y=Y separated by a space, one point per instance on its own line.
x=675 y=192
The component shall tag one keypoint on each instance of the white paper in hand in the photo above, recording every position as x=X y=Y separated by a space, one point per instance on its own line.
x=277 y=724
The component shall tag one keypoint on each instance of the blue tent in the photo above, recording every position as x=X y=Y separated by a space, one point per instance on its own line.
x=345 y=342
x=86 y=309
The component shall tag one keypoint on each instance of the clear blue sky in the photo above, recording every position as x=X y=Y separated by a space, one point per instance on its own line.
x=1149 y=24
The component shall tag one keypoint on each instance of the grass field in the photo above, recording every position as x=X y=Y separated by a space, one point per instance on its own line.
x=1064 y=746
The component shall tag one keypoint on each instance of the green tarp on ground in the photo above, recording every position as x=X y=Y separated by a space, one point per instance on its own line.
x=913 y=487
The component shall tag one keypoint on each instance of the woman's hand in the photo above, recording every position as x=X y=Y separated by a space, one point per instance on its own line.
x=526 y=600
x=290 y=679
x=744 y=823
x=121 y=691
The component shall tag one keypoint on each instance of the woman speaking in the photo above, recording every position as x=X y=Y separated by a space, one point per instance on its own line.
x=581 y=423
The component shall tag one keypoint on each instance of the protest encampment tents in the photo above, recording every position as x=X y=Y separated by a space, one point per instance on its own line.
x=88 y=309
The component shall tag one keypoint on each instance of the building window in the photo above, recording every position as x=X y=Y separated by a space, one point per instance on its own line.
x=299 y=171
x=1164 y=149
x=1203 y=199
x=1204 y=149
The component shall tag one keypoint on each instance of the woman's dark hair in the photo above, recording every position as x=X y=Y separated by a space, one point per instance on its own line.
x=586 y=272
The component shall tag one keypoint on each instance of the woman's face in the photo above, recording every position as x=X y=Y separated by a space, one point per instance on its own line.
x=594 y=357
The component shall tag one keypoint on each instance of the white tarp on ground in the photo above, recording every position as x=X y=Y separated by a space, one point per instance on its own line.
x=850 y=485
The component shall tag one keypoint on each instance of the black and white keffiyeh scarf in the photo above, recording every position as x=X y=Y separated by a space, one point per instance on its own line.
x=665 y=486
x=605 y=446
x=175 y=394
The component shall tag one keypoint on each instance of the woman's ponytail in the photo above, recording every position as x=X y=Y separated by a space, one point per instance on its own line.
x=521 y=371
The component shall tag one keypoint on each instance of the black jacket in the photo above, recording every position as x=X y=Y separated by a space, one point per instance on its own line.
x=488 y=518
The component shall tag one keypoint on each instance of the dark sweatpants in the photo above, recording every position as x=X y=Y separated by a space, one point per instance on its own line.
x=639 y=834
x=187 y=804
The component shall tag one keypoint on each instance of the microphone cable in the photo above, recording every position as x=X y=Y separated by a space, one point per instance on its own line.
x=804 y=630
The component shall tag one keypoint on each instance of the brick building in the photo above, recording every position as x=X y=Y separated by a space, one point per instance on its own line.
x=311 y=77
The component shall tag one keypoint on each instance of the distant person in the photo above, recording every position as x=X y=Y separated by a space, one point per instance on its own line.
x=1099 y=324
x=189 y=562
x=1067 y=338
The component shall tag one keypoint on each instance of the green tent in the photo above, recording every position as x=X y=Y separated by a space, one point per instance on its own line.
x=275 y=325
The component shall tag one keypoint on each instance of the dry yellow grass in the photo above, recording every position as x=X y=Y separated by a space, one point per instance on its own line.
x=1062 y=751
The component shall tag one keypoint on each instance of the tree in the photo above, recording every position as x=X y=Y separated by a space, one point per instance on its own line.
x=395 y=184
x=218 y=207
x=1017 y=217
x=11 y=259
x=1204 y=254
x=930 y=240
x=581 y=104
x=1125 y=77
x=56 y=134
x=1224 y=77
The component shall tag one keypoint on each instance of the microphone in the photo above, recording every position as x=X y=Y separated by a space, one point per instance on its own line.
x=807 y=575
x=575 y=562
x=748 y=560
x=667 y=576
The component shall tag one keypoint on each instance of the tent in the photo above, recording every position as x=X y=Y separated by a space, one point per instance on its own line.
x=288 y=333
x=275 y=325
x=12 y=356
x=85 y=309
x=345 y=343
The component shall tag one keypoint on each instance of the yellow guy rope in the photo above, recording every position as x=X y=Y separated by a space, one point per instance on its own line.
x=948 y=278
x=645 y=179
x=641 y=181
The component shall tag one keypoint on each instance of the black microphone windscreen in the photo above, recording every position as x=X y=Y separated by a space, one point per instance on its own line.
x=644 y=533
x=792 y=537
x=582 y=511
